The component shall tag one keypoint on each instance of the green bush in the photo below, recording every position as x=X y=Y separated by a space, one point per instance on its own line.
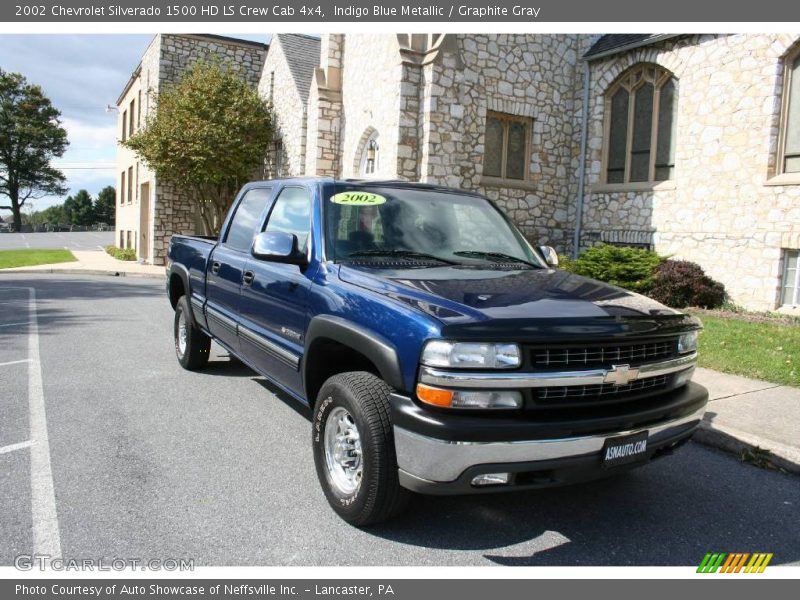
x=680 y=283
x=121 y=253
x=629 y=268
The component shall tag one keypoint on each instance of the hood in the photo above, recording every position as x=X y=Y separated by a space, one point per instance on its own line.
x=467 y=299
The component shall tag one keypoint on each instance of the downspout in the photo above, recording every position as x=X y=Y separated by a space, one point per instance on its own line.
x=576 y=241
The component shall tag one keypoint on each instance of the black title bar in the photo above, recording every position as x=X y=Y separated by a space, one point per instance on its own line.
x=433 y=11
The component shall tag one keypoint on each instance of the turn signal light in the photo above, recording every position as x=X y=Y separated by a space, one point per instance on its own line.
x=501 y=399
x=435 y=396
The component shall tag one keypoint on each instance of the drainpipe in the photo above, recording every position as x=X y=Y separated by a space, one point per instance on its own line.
x=582 y=164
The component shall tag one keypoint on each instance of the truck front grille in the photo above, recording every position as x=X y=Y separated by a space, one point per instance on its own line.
x=578 y=356
x=573 y=395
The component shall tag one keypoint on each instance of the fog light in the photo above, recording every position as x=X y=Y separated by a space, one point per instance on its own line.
x=684 y=377
x=491 y=479
x=500 y=399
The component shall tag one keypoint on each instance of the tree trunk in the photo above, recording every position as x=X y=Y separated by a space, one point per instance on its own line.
x=16 y=209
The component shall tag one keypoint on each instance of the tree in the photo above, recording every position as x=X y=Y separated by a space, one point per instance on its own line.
x=209 y=134
x=31 y=135
x=55 y=215
x=105 y=206
x=82 y=208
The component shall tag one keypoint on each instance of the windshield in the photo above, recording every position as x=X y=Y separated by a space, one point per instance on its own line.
x=371 y=223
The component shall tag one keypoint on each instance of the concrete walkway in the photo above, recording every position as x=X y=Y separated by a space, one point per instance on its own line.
x=95 y=262
x=749 y=416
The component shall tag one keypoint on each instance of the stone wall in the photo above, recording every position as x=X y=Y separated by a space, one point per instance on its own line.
x=173 y=210
x=371 y=91
x=289 y=109
x=724 y=209
x=533 y=76
x=326 y=115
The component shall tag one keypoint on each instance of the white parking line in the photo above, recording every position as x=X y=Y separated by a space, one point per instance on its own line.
x=12 y=324
x=46 y=538
x=15 y=362
x=13 y=447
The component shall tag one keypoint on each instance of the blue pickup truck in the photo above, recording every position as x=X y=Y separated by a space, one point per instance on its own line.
x=437 y=350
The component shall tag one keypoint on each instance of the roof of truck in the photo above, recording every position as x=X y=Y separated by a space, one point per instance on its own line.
x=395 y=183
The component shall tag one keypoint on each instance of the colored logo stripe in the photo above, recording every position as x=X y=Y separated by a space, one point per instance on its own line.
x=733 y=562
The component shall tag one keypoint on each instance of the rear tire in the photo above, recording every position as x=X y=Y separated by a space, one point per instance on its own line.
x=191 y=344
x=354 y=451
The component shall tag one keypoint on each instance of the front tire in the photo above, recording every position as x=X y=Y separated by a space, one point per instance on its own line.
x=192 y=346
x=354 y=450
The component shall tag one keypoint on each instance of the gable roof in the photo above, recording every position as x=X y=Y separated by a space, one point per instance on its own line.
x=302 y=56
x=616 y=43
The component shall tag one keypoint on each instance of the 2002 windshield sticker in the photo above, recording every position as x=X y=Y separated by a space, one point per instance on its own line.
x=358 y=199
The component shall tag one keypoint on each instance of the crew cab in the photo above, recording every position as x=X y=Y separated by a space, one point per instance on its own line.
x=437 y=349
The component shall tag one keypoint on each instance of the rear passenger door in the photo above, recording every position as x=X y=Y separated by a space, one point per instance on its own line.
x=275 y=296
x=227 y=262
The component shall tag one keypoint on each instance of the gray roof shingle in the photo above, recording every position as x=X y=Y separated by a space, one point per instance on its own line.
x=612 y=43
x=302 y=55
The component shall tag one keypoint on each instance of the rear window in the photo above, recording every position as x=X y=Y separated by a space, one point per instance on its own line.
x=246 y=222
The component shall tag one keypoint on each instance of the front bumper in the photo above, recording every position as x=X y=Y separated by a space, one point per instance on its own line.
x=441 y=454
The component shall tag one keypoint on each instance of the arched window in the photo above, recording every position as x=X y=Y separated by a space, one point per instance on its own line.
x=789 y=143
x=640 y=118
x=370 y=157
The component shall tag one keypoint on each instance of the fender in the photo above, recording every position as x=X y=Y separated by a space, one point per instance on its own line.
x=182 y=272
x=372 y=345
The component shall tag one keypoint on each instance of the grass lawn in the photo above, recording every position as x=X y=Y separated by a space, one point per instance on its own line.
x=761 y=348
x=28 y=258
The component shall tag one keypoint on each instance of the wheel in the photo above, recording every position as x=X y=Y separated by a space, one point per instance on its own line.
x=354 y=449
x=191 y=345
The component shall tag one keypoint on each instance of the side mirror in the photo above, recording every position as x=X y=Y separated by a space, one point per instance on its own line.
x=278 y=246
x=550 y=255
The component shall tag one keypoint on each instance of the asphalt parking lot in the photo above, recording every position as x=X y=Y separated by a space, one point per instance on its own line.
x=109 y=449
x=77 y=240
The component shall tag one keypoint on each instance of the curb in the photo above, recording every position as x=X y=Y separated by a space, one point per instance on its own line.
x=739 y=442
x=84 y=272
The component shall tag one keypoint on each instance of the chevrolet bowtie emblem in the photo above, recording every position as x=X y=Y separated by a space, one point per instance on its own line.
x=621 y=375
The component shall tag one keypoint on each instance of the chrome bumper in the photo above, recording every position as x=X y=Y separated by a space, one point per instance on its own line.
x=436 y=460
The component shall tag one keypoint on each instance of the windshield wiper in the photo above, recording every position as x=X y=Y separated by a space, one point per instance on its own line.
x=497 y=256
x=400 y=254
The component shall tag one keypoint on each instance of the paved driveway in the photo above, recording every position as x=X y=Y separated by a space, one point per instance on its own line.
x=78 y=240
x=146 y=460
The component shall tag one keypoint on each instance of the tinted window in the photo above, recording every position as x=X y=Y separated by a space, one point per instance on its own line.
x=446 y=225
x=292 y=214
x=245 y=221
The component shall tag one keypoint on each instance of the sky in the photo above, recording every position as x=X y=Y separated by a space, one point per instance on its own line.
x=81 y=74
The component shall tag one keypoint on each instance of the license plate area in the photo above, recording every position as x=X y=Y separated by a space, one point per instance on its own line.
x=624 y=449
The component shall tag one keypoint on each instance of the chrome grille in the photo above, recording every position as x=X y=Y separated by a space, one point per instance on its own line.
x=608 y=354
x=603 y=391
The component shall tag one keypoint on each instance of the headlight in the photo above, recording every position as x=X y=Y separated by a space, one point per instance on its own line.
x=470 y=355
x=489 y=399
x=687 y=342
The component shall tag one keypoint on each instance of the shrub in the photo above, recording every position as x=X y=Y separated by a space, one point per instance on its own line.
x=121 y=253
x=629 y=268
x=680 y=283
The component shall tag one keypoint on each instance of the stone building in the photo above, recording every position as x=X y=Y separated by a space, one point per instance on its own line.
x=714 y=178
x=687 y=144
x=150 y=211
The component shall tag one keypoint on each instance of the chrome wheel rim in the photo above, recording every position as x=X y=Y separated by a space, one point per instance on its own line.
x=182 y=334
x=343 y=451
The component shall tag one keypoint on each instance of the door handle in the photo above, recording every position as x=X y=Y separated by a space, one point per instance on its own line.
x=248 y=277
x=215 y=267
